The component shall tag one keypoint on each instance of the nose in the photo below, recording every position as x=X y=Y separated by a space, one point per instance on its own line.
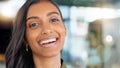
x=47 y=29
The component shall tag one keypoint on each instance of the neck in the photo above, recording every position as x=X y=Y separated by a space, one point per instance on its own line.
x=45 y=62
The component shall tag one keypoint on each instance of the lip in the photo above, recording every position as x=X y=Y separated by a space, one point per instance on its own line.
x=48 y=45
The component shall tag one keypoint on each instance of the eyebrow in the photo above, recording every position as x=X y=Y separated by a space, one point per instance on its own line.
x=52 y=13
x=32 y=17
x=36 y=17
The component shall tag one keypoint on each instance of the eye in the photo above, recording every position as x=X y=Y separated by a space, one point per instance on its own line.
x=54 y=20
x=34 y=24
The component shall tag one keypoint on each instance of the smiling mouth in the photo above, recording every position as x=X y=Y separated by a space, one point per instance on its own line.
x=48 y=42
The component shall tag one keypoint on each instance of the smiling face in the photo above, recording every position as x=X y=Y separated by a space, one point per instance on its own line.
x=45 y=31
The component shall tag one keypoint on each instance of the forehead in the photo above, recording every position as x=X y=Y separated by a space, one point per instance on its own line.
x=41 y=7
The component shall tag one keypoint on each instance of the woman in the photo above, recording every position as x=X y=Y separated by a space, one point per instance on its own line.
x=38 y=36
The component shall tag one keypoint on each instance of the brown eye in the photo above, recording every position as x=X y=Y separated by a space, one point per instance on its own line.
x=54 y=20
x=34 y=24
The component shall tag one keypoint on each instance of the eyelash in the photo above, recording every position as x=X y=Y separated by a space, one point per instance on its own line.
x=33 y=24
x=54 y=20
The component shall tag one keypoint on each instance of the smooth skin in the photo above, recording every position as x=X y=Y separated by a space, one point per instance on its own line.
x=43 y=23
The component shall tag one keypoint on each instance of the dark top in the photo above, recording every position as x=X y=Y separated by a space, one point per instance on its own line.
x=63 y=64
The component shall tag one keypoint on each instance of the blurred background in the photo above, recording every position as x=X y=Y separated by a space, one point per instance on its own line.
x=93 y=31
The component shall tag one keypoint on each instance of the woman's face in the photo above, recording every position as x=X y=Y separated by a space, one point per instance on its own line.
x=45 y=31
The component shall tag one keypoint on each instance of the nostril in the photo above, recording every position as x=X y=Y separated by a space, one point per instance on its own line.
x=46 y=31
x=47 y=28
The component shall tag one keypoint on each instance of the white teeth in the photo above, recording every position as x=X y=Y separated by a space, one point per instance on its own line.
x=47 y=41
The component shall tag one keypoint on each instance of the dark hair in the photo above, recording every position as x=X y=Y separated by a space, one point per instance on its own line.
x=16 y=55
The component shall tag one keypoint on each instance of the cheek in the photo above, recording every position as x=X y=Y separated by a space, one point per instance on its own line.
x=31 y=36
x=62 y=32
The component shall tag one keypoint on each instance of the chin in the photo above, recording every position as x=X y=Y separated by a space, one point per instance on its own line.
x=52 y=54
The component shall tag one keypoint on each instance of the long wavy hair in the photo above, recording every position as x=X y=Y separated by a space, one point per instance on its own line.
x=16 y=55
